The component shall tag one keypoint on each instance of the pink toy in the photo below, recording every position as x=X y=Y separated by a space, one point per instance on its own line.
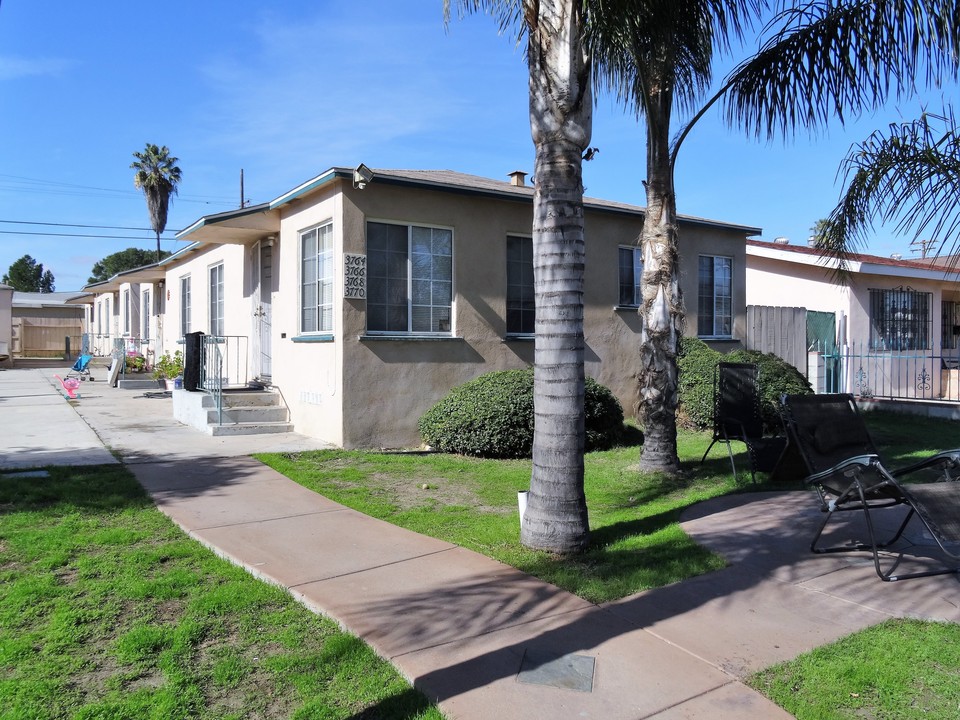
x=71 y=384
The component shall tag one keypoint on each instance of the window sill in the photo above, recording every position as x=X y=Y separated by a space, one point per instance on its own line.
x=717 y=338
x=321 y=338
x=626 y=308
x=519 y=338
x=409 y=338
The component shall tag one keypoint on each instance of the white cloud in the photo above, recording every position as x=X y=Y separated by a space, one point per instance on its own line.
x=14 y=68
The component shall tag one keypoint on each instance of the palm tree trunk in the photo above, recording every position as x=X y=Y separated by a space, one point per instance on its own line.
x=661 y=309
x=560 y=123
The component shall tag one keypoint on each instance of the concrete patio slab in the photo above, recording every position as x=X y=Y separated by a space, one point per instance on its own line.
x=441 y=598
x=226 y=491
x=636 y=675
x=299 y=549
x=742 y=622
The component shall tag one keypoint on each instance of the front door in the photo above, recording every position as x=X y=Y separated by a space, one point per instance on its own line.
x=262 y=312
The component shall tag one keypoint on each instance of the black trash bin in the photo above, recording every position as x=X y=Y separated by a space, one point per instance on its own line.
x=192 y=360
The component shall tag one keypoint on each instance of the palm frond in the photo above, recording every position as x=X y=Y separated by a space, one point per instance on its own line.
x=830 y=58
x=908 y=176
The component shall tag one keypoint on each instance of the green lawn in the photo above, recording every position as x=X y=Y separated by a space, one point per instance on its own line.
x=107 y=610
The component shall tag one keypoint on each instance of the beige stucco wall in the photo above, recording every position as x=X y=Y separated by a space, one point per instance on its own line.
x=310 y=374
x=389 y=382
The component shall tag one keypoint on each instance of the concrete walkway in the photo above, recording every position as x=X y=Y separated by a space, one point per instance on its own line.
x=481 y=638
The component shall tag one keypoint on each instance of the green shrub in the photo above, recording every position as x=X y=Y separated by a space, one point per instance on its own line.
x=697 y=364
x=492 y=416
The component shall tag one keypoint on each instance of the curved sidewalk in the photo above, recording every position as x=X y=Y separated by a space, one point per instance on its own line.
x=485 y=640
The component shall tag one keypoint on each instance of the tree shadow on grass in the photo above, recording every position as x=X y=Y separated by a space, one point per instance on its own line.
x=90 y=487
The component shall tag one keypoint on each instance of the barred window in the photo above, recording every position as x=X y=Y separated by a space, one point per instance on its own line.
x=715 y=297
x=900 y=319
x=631 y=268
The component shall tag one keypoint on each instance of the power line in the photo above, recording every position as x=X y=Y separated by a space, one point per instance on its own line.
x=81 y=235
x=92 y=191
x=76 y=225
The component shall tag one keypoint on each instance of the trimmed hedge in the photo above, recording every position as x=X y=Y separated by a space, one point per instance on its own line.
x=697 y=363
x=492 y=416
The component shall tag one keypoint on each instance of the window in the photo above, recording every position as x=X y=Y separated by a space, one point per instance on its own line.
x=145 y=315
x=216 y=300
x=631 y=268
x=126 y=312
x=949 y=324
x=715 y=302
x=100 y=318
x=899 y=319
x=521 y=308
x=316 y=279
x=409 y=278
x=185 y=310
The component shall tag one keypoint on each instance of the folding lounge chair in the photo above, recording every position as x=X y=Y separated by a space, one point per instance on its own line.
x=848 y=475
x=736 y=416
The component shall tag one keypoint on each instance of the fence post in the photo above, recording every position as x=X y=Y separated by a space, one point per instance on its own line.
x=66 y=345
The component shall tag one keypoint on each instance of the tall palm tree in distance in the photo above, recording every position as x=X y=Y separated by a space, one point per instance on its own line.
x=821 y=60
x=158 y=176
x=561 y=118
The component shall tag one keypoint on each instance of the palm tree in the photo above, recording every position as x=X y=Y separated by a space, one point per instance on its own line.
x=909 y=175
x=561 y=108
x=822 y=59
x=158 y=176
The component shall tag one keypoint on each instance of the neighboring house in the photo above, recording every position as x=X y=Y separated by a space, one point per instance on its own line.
x=6 y=325
x=46 y=325
x=892 y=330
x=127 y=312
x=364 y=297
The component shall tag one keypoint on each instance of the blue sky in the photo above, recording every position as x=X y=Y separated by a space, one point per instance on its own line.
x=287 y=90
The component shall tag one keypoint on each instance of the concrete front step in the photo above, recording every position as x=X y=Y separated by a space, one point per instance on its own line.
x=249 y=428
x=245 y=412
x=249 y=414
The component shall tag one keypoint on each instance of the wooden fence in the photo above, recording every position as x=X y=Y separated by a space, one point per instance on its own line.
x=45 y=337
x=779 y=330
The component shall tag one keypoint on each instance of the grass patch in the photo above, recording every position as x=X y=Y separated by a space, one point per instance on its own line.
x=901 y=669
x=107 y=610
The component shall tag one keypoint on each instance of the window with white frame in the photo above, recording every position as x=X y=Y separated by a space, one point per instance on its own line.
x=631 y=270
x=900 y=319
x=521 y=305
x=715 y=297
x=409 y=279
x=126 y=312
x=316 y=279
x=100 y=318
x=145 y=315
x=185 y=307
x=216 y=300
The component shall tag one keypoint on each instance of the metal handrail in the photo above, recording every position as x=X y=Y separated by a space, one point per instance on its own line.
x=223 y=365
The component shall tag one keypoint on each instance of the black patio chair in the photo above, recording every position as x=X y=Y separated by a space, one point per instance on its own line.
x=737 y=416
x=848 y=474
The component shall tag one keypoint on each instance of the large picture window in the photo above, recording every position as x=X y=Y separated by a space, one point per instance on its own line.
x=216 y=300
x=521 y=308
x=899 y=319
x=631 y=269
x=409 y=279
x=185 y=307
x=316 y=279
x=715 y=297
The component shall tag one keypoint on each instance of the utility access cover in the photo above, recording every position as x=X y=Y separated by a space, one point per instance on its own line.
x=570 y=672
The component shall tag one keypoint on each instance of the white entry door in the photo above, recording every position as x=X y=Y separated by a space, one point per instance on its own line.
x=262 y=314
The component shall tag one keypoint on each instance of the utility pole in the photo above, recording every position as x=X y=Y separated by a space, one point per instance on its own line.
x=924 y=246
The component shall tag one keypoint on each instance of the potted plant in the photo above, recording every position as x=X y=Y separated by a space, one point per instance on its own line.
x=169 y=367
x=135 y=362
